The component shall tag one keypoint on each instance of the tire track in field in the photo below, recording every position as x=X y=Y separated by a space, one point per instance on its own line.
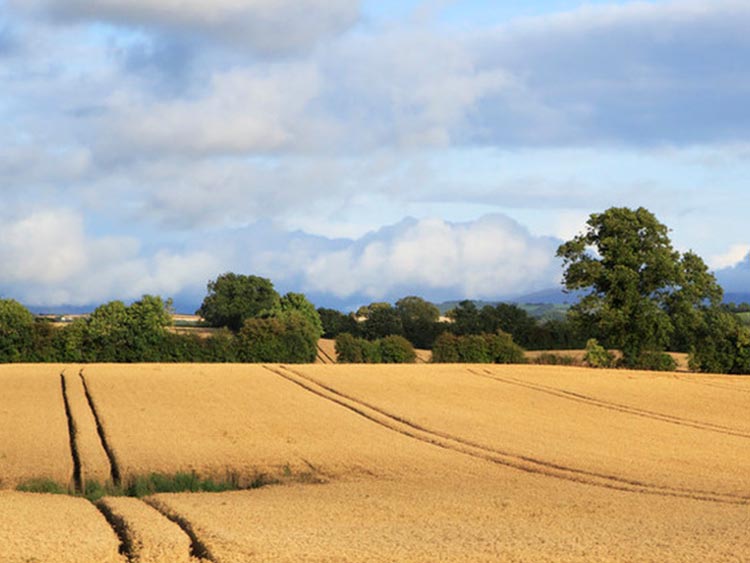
x=593 y=401
x=324 y=356
x=508 y=459
x=198 y=549
x=72 y=434
x=113 y=464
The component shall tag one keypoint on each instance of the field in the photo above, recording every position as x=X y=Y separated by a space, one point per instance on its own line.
x=371 y=463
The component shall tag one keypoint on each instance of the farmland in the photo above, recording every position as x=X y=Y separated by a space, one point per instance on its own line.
x=379 y=463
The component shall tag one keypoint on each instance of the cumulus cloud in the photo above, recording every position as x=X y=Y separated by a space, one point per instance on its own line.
x=491 y=257
x=735 y=279
x=736 y=254
x=51 y=259
x=269 y=26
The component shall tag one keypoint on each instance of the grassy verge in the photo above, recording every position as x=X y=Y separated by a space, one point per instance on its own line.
x=181 y=482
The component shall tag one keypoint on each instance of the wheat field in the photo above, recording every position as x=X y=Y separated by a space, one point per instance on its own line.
x=450 y=463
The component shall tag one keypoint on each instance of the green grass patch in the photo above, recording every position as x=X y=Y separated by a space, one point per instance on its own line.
x=154 y=483
x=42 y=485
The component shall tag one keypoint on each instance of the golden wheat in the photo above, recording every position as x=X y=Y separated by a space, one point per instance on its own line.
x=63 y=529
x=150 y=536
x=34 y=440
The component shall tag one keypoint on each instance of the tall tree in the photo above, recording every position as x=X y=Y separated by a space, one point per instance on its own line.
x=638 y=285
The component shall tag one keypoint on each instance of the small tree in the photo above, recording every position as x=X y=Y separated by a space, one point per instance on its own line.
x=396 y=349
x=233 y=298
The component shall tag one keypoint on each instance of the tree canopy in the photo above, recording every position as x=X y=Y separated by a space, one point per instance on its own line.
x=233 y=298
x=640 y=290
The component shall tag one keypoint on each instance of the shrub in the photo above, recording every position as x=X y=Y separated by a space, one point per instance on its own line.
x=596 y=355
x=656 y=361
x=348 y=349
x=396 y=350
x=502 y=350
x=445 y=349
x=551 y=359
x=287 y=337
x=473 y=349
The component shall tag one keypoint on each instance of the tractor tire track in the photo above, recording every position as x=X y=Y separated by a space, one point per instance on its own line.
x=593 y=401
x=198 y=549
x=113 y=463
x=324 y=356
x=508 y=459
x=72 y=434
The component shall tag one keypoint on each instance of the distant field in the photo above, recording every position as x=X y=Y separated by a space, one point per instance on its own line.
x=415 y=463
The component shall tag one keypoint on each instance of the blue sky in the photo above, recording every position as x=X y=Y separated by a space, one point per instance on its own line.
x=360 y=151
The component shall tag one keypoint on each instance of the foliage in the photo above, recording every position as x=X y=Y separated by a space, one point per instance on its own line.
x=553 y=359
x=465 y=317
x=640 y=290
x=381 y=320
x=233 y=298
x=16 y=331
x=391 y=349
x=396 y=349
x=596 y=355
x=722 y=344
x=335 y=322
x=497 y=348
x=656 y=361
x=445 y=349
x=419 y=320
x=502 y=350
x=287 y=337
x=298 y=302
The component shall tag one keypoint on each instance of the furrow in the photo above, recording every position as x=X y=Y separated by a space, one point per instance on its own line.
x=198 y=549
x=121 y=530
x=323 y=355
x=114 y=466
x=508 y=459
x=146 y=535
x=72 y=432
x=585 y=399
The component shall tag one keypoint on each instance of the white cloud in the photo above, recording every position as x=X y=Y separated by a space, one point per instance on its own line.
x=491 y=257
x=49 y=259
x=736 y=254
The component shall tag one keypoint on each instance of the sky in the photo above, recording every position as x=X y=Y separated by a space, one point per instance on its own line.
x=360 y=151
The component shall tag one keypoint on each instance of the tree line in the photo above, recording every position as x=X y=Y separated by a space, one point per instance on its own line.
x=254 y=322
x=640 y=297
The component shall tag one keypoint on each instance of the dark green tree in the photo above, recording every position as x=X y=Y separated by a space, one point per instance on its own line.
x=381 y=320
x=335 y=323
x=626 y=262
x=233 y=298
x=16 y=331
x=420 y=321
x=466 y=319
x=298 y=302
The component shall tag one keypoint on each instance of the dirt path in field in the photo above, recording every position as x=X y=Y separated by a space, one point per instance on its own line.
x=588 y=400
x=528 y=464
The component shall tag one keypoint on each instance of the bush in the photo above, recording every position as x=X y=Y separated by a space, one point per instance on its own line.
x=445 y=349
x=551 y=359
x=390 y=350
x=656 y=361
x=288 y=337
x=496 y=348
x=596 y=355
x=396 y=350
x=502 y=350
